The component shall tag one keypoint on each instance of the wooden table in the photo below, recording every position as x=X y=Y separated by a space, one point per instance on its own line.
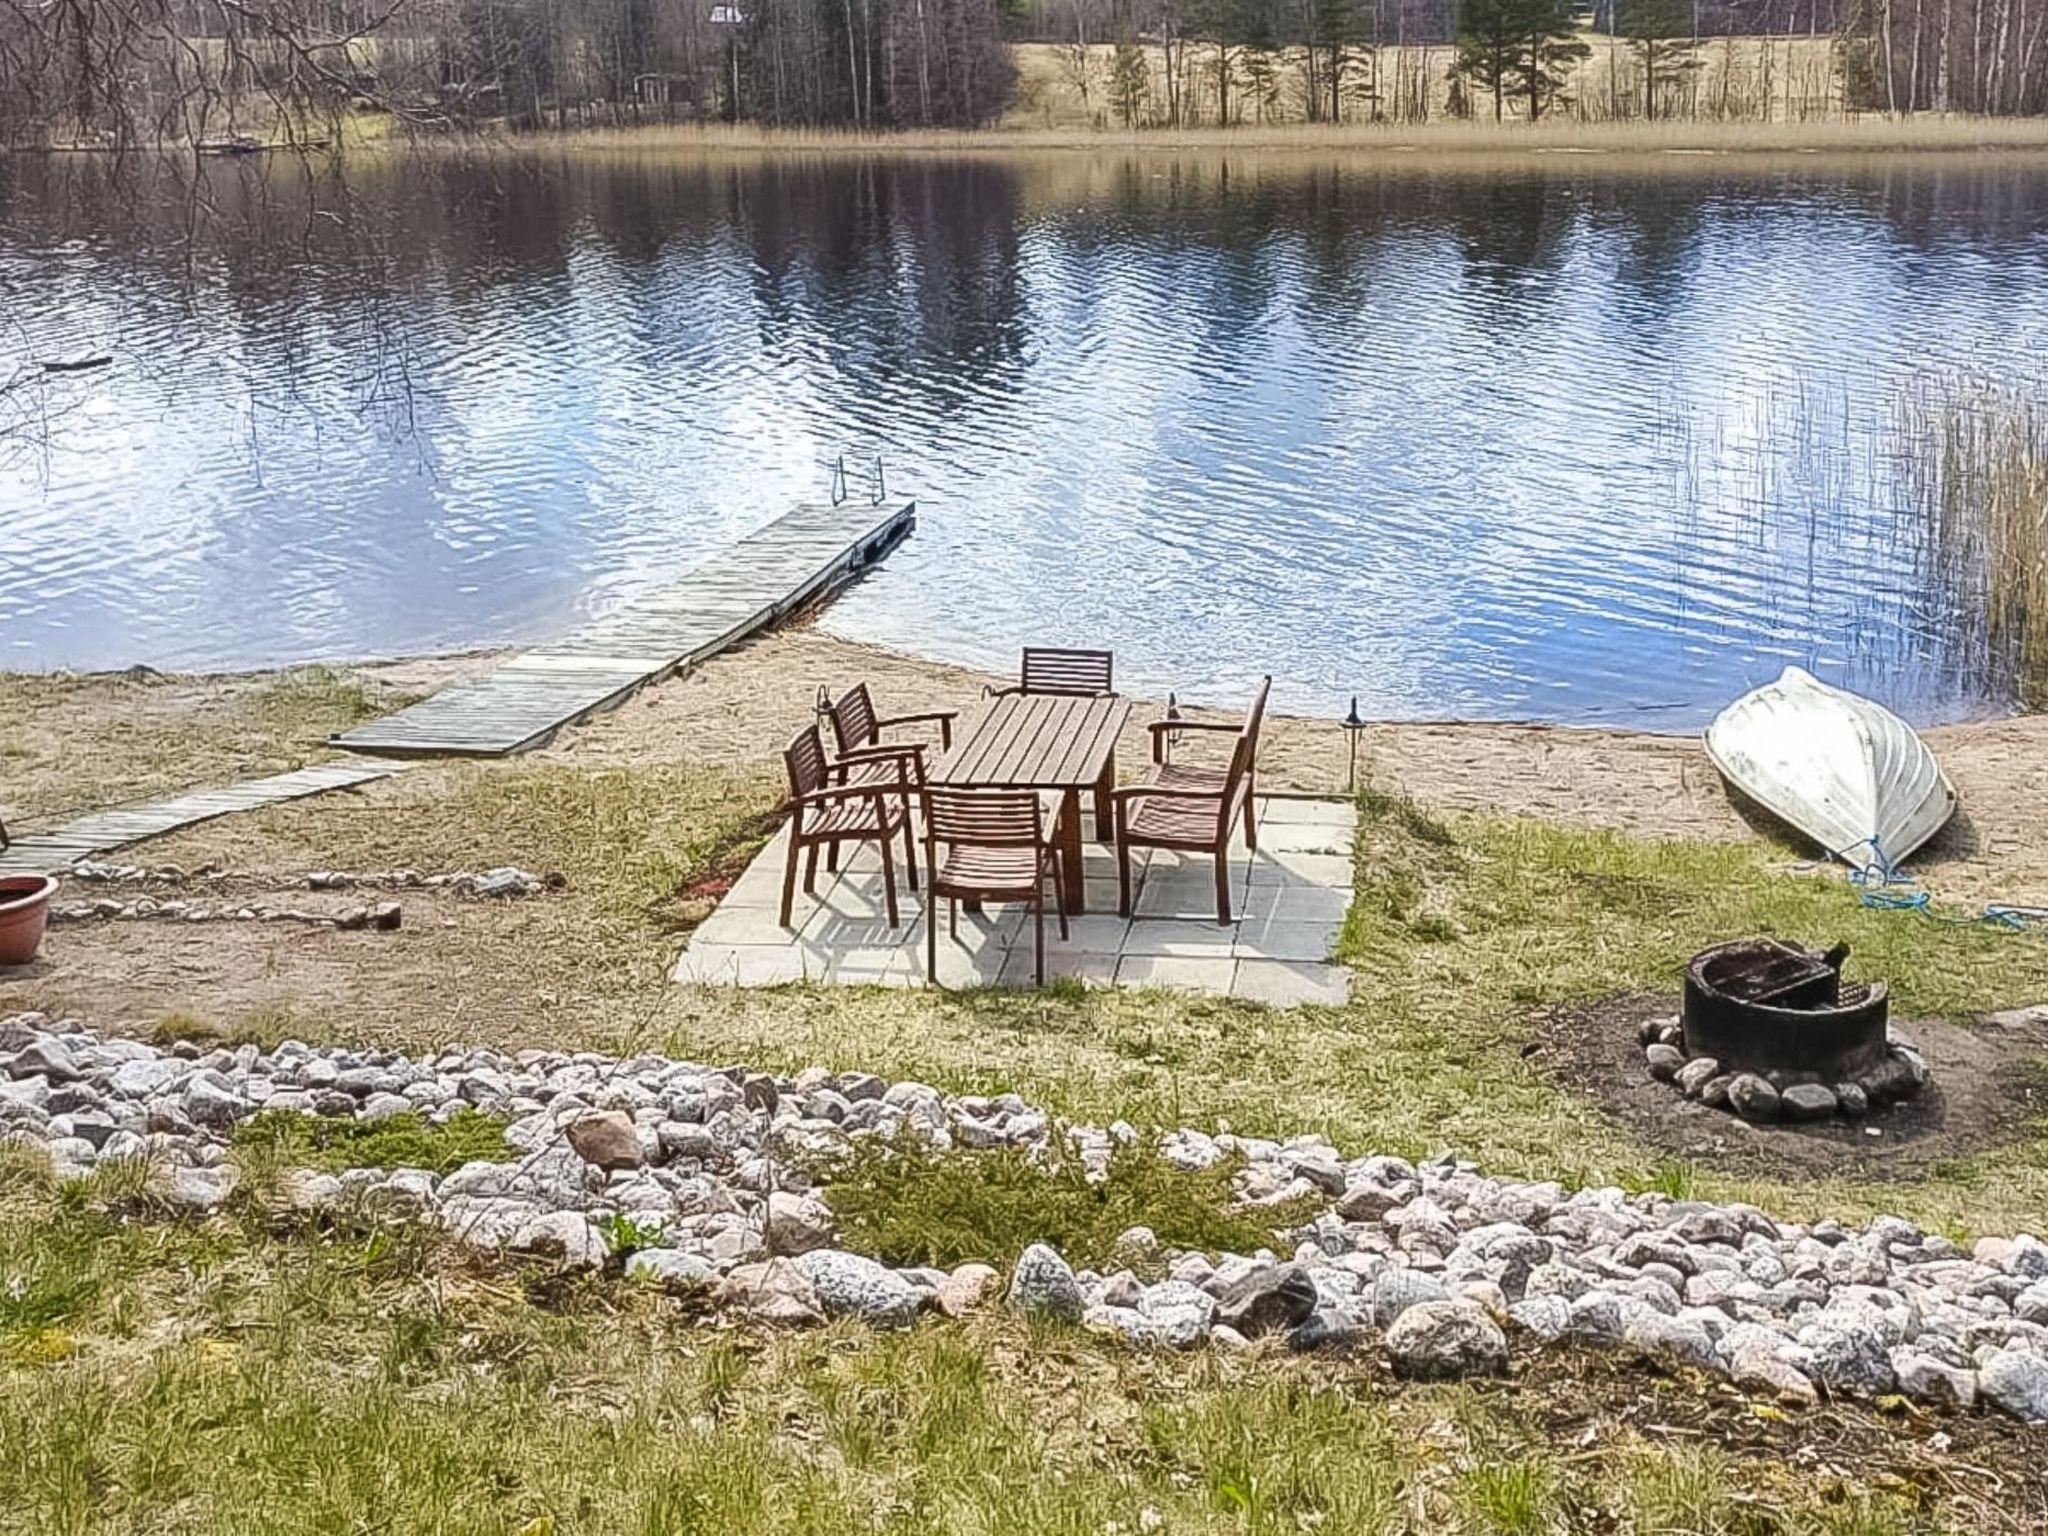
x=1046 y=741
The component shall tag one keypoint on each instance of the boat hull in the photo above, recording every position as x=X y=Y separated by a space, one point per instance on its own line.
x=1843 y=770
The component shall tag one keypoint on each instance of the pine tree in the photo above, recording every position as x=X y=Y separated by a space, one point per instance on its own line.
x=1661 y=32
x=1523 y=46
x=1130 y=80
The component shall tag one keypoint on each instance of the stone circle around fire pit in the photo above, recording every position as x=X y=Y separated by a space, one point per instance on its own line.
x=1779 y=1095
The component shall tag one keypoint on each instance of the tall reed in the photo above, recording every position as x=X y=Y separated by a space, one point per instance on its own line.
x=1976 y=462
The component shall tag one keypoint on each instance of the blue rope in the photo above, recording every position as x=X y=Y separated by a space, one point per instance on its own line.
x=1884 y=886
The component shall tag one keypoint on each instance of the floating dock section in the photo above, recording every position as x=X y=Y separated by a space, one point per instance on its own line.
x=796 y=560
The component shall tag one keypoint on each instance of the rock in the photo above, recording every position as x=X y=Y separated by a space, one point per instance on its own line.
x=1665 y=1061
x=564 y=1235
x=1654 y=1333
x=2035 y=1017
x=44 y=1057
x=797 y=1224
x=773 y=1291
x=1180 y=1314
x=1268 y=1301
x=1444 y=1340
x=1396 y=1290
x=678 y=1273
x=1694 y=1076
x=1548 y=1316
x=758 y=1091
x=1367 y=1201
x=199 y=1189
x=1761 y=1366
x=967 y=1289
x=848 y=1285
x=1324 y=1328
x=208 y=1103
x=1753 y=1098
x=1807 y=1101
x=2015 y=1382
x=1849 y=1355
x=1930 y=1381
x=1852 y=1100
x=1043 y=1285
x=606 y=1140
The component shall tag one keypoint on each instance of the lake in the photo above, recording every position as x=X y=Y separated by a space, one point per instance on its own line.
x=1554 y=439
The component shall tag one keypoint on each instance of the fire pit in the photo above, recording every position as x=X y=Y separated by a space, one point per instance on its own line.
x=1771 y=1031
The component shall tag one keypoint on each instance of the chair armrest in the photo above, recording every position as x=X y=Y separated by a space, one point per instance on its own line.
x=880 y=749
x=880 y=789
x=1194 y=725
x=942 y=718
x=1152 y=792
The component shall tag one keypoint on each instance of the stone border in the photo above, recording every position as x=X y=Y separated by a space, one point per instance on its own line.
x=1763 y=1098
x=700 y=1170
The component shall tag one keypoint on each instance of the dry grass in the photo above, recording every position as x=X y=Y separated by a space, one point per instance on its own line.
x=1665 y=143
x=1977 y=459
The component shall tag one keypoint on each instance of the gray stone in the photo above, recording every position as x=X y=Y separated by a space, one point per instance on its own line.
x=1753 y=1098
x=1664 y=1061
x=1548 y=1316
x=967 y=1288
x=1043 y=1285
x=797 y=1224
x=206 y=1102
x=1444 y=1340
x=849 y=1285
x=566 y=1236
x=1181 y=1314
x=2015 y=1382
x=1932 y=1381
x=1268 y=1300
x=1396 y=1290
x=1324 y=1328
x=1654 y=1333
x=1694 y=1076
x=1807 y=1101
x=45 y=1057
x=1852 y=1100
x=1849 y=1355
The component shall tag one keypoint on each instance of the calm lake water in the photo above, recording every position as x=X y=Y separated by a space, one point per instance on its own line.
x=1551 y=441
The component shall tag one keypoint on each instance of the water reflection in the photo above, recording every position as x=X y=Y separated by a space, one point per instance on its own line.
x=1561 y=443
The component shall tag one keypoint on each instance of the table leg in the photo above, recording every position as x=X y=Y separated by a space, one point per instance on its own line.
x=1105 y=828
x=1073 y=879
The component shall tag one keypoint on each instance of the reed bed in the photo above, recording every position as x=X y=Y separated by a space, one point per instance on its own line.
x=1975 y=458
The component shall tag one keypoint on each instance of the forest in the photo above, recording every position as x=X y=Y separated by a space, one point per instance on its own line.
x=227 y=74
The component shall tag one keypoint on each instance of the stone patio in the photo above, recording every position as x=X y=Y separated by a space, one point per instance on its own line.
x=1289 y=901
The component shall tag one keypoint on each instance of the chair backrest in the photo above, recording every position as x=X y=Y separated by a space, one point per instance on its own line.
x=804 y=758
x=1244 y=756
x=853 y=718
x=983 y=818
x=1047 y=670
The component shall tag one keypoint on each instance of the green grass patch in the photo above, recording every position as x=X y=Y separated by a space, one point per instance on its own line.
x=907 y=1204
x=288 y=1138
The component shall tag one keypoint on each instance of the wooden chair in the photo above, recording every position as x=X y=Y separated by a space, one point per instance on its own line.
x=1190 y=807
x=826 y=809
x=998 y=849
x=1046 y=670
x=856 y=728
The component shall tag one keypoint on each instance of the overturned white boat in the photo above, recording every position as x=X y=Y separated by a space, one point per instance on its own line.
x=1848 y=773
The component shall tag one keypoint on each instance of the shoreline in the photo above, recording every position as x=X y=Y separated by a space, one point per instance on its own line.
x=1670 y=144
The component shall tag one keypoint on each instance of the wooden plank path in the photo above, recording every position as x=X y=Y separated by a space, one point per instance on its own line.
x=49 y=853
x=768 y=575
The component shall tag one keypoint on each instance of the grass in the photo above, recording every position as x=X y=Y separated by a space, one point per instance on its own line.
x=1976 y=459
x=290 y=1139
x=77 y=743
x=217 y=1377
x=908 y=1205
x=1479 y=143
x=1464 y=931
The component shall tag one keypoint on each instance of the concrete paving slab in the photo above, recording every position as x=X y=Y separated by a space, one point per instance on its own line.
x=1282 y=940
x=1291 y=983
x=1180 y=972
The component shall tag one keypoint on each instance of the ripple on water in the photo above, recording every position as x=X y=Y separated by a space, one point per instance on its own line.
x=1548 y=443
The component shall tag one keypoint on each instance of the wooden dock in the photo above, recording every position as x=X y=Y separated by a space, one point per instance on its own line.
x=794 y=561
x=49 y=853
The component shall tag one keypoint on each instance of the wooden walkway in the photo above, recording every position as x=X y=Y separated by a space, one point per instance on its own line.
x=49 y=853
x=792 y=562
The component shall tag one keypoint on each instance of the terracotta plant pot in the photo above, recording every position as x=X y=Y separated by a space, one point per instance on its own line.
x=24 y=913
